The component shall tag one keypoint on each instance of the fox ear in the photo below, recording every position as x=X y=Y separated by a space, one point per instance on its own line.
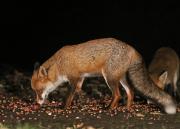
x=42 y=72
x=163 y=77
x=36 y=66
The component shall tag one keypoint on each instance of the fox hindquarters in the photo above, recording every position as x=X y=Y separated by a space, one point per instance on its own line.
x=108 y=57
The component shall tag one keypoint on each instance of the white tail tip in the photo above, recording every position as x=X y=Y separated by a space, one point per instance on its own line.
x=170 y=109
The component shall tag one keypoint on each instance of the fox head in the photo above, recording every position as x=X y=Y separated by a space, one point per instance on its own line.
x=41 y=84
x=160 y=80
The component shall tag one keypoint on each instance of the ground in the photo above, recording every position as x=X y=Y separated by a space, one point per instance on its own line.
x=18 y=107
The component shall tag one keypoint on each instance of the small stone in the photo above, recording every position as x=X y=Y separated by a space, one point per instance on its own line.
x=79 y=125
x=50 y=113
x=77 y=117
x=98 y=117
x=88 y=127
x=140 y=115
x=69 y=128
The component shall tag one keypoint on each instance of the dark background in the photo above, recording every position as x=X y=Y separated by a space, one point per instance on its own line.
x=33 y=31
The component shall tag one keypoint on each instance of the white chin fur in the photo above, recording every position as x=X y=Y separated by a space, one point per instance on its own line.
x=170 y=109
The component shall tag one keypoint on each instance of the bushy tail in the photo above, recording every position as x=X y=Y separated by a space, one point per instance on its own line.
x=140 y=79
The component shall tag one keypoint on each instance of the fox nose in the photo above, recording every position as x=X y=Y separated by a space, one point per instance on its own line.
x=40 y=101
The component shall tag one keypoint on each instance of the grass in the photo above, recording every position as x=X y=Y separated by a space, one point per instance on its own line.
x=24 y=126
x=59 y=126
x=30 y=126
x=3 y=126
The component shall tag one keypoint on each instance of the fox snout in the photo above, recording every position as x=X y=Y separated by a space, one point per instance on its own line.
x=41 y=100
x=42 y=95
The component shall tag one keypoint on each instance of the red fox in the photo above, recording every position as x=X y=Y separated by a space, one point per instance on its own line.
x=164 y=68
x=108 y=57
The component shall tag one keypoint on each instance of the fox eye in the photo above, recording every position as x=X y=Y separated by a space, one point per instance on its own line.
x=42 y=79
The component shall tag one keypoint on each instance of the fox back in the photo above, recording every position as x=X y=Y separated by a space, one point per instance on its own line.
x=94 y=56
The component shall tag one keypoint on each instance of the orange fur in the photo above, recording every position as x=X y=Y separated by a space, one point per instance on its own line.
x=108 y=57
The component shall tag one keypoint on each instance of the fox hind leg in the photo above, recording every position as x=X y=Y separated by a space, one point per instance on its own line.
x=129 y=91
x=114 y=87
x=115 y=93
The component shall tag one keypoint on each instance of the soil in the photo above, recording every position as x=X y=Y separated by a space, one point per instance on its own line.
x=18 y=106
